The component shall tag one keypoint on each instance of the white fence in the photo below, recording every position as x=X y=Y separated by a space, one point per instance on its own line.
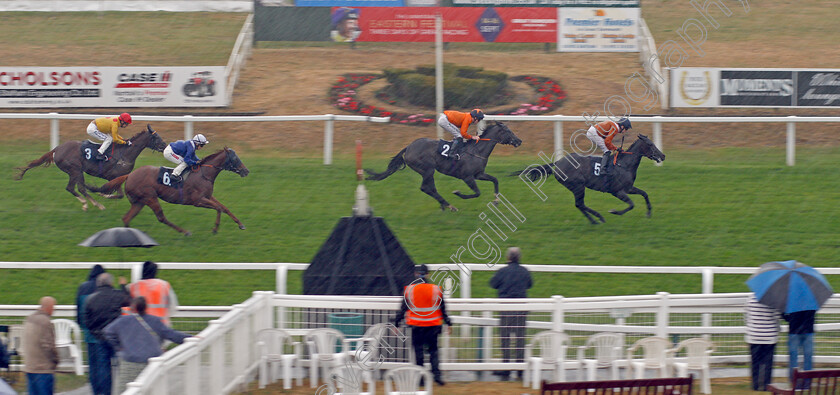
x=329 y=120
x=463 y=271
x=241 y=51
x=224 y=359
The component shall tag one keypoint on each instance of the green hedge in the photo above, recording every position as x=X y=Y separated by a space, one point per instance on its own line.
x=463 y=86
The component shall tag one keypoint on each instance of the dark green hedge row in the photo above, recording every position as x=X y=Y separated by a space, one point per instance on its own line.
x=463 y=86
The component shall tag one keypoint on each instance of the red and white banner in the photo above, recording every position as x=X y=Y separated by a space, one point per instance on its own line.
x=44 y=87
x=460 y=24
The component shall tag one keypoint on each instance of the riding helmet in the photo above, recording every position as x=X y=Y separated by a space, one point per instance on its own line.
x=625 y=123
x=200 y=139
x=124 y=117
x=477 y=114
x=421 y=270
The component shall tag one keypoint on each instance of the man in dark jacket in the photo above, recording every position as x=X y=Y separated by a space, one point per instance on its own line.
x=100 y=309
x=801 y=337
x=512 y=281
x=86 y=289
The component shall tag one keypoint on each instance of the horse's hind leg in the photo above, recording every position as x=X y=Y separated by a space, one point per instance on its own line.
x=637 y=191
x=624 y=198
x=83 y=191
x=155 y=206
x=132 y=212
x=71 y=187
x=579 y=192
x=470 y=183
x=428 y=187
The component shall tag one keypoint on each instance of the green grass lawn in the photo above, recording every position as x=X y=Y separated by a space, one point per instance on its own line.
x=723 y=207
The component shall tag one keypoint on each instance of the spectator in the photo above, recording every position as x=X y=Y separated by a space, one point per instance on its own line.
x=800 y=336
x=41 y=357
x=138 y=337
x=160 y=297
x=512 y=281
x=86 y=289
x=424 y=311
x=100 y=308
x=762 y=335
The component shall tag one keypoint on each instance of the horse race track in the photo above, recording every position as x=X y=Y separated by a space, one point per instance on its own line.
x=713 y=204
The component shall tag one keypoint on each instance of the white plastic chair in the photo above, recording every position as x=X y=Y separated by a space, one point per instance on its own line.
x=351 y=379
x=406 y=380
x=322 y=344
x=697 y=354
x=551 y=347
x=654 y=356
x=275 y=347
x=367 y=349
x=608 y=349
x=68 y=337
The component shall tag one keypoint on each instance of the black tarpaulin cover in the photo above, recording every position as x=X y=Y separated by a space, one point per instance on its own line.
x=361 y=257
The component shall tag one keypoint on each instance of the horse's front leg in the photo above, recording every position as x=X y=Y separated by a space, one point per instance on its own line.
x=637 y=191
x=470 y=181
x=624 y=198
x=487 y=177
x=219 y=207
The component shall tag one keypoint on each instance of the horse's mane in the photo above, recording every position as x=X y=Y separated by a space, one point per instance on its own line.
x=132 y=138
x=211 y=156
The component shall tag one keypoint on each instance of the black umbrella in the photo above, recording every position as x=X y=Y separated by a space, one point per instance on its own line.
x=119 y=237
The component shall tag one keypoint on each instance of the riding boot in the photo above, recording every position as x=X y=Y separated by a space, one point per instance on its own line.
x=452 y=153
x=606 y=169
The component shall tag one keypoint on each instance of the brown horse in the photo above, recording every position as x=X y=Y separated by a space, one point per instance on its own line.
x=69 y=158
x=143 y=189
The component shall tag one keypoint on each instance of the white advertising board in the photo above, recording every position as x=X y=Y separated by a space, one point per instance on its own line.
x=47 y=87
x=598 y=30
x=695 y=87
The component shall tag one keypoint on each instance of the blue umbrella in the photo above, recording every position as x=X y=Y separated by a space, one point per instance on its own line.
x=790 y=286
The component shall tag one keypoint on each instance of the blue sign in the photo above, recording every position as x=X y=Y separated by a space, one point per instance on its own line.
x=489 y=24
x=349 y=3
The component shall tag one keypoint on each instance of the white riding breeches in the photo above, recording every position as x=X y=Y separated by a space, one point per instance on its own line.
x=443 y=121
x=593 y=135
x=94 y=132
x=175 y=158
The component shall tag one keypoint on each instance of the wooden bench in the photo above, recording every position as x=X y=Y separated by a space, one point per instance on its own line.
x=666 y=386
x=825 y=381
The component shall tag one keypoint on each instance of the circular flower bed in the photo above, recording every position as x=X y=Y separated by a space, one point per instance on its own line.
x=343 y=95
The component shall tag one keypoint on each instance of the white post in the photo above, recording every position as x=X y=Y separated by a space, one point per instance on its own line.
x=465 y=293
x=558 y=139
x=136 y=272
x=657 y=136
x=328 y=139
x=282 y=279
x=708 y=288
x=662 y=315
x=192 y=375
x=53 y=131
x=438 y=72
x=188 y=127
x=487 y=345
x=557 y=314
x=217 y=362
x=791 y=142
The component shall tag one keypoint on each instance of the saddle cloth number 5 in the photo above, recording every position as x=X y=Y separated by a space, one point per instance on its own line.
x=597 y=169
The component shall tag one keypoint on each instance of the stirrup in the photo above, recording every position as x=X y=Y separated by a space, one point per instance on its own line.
x=455 y=156
x=176 y=178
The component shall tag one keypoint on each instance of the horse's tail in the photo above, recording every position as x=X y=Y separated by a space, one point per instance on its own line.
x=45 y=160
x=534 y=173
x=397 y=163
x=110 y=186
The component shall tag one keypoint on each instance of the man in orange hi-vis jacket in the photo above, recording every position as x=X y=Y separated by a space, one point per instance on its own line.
x=458 y=123
x=425 y=312
x=602 y=134
x=160 y=297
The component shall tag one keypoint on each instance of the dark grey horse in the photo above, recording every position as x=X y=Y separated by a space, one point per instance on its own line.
x=578 y=172
x=422 y=156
